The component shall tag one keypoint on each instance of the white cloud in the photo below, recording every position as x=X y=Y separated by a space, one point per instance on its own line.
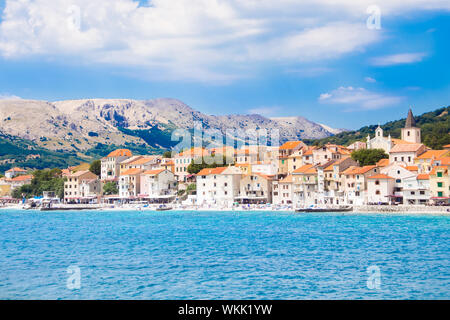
x=359 y=99
x=401 y=58
x=370 y=79
x=210 y=40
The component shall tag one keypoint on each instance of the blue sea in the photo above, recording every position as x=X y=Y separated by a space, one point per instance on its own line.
x=222 y=255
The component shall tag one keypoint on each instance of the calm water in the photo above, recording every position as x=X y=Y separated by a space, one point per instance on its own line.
x=199 y=255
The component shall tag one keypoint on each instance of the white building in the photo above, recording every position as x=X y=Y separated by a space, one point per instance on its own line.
x=218 y=186
x=130 y=183
x=110 y=168
x=416 y=190
x=399 y=173
x=158 y=185
x=282 y=191
x=379 y=189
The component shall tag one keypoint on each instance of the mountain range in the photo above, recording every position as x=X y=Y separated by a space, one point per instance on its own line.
x=80 y=125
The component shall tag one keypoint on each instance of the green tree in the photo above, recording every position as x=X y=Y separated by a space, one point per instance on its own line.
x=96 y=167
x=195 y=167
x=191 y=187
x=367 y=157
x=43 y=180
x=167 y=154
x=110 y=188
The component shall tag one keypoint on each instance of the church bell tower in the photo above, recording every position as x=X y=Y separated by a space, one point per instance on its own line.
x=410 y=132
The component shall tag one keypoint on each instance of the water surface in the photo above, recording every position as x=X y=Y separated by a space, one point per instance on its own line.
x=222 y=255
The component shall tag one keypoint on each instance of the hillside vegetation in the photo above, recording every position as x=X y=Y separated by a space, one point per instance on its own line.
x=435 y=127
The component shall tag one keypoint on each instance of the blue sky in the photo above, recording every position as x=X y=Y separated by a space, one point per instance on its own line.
x=286 y=59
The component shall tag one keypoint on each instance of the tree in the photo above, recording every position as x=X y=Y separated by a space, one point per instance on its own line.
x=96 y=167
x=43 y=180
x=110 y=188
x=195 y=167
x=367 y=157
x=167 y=154
x=192 y=187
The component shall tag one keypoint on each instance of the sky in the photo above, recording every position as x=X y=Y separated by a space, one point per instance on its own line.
x=343 y=63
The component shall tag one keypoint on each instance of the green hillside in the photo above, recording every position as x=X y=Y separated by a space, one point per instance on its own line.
x=435 y=127
x=20 y=150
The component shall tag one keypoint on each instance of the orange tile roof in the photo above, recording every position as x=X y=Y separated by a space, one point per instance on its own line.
x=120 y=153
x=16 y=169
x=288 y=179
x=358 y=170
x=193 y=152
x=412 y=168
x=141 y=161
x=154 y=172
x=307 y=169
x=210 y=171
x=80 y=173
x=380 y=176
x=413 y=147
x=423 y=176
x=265 y=176
x=22 y=178
x=309 y=152
x=131 y=172
x=446 y=146
x=435 y=169
x=290 y=145
x=383 y=163
x=432 y=154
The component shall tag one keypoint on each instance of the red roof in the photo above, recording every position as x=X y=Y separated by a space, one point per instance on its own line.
x=120 y=153
x=380 y=176
x=290 y=145
x=210 y=171
x=22 y=178
x=154 y=172
x=16 y=169
x=131 y=172
x=423 y=176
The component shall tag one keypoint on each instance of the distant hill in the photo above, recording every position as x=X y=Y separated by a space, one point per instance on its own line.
x=435 y=127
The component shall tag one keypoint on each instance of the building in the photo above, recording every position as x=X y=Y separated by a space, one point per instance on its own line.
x=410 y=132
x=130 y=183
x=333 y=176
x=218 y=186
x=256 y=188
x=380 y=187
x=282 y=191
x=354 y=183
x=416 y=190
x=379 y=141
x=110 y=168
x=14 y=172
x=159 y=185
x=399 y=173
x=406 y=153
x=80 y=186
x=125 y=164
x=184 y=159
x=329 y=152
x=20 y=181
x=426 y=160
x=358 y=145
x=440 y=185
x=286 y=150
x=305 y=186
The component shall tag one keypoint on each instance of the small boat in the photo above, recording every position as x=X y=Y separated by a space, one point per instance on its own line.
x=164 y=208
x=341 y=209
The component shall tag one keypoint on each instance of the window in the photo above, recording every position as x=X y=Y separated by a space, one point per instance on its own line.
x=439 y=174
x=440 y=194
x=377 y=182
x=439 y=184
x=377 y=192
x=398 y=181
x=413 y=193
x=422 y=192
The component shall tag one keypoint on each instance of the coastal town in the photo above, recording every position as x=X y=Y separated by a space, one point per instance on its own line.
x=291 y=176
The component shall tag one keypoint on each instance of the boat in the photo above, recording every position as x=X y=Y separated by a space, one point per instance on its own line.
x=164 y=208
x=314 y=209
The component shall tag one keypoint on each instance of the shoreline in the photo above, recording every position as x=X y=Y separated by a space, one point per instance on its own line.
x=357 y=210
